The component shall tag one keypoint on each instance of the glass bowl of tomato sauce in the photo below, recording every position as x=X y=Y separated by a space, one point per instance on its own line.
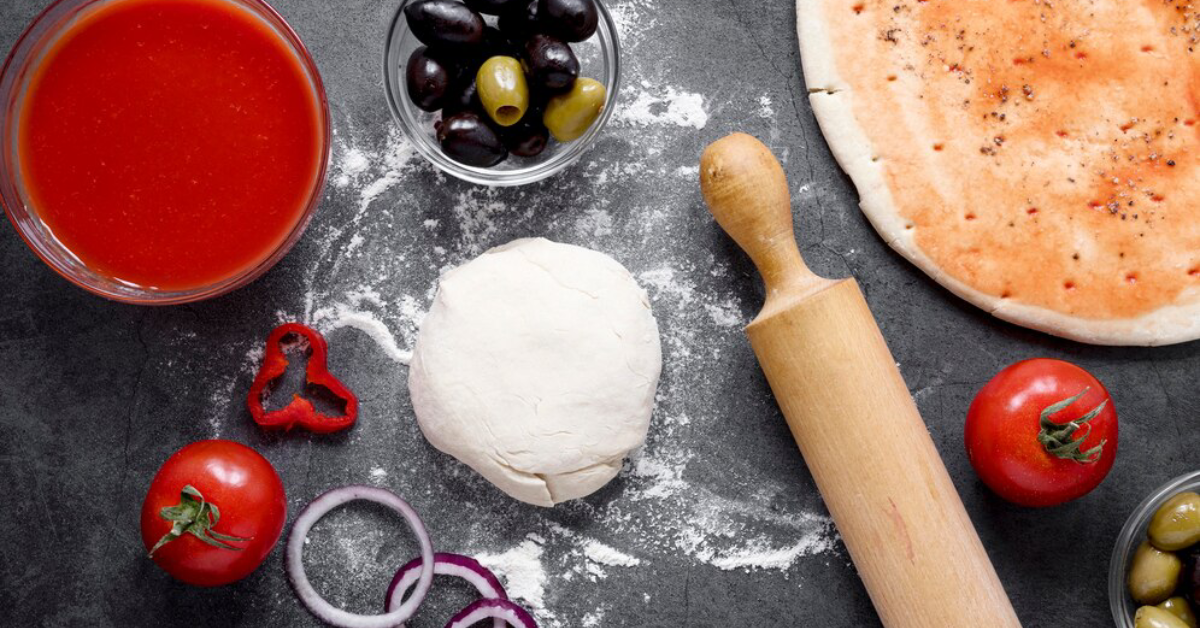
x=161 y=151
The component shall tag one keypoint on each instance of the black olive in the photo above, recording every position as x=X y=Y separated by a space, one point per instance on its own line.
x=467 y=139
x=570 y=20
x=492 y=7
x=1189 y=578
x=444 y=23
x=430 y=79
x=496 y=44
x=527 y=138
x=462 y=97
x=521 y=21
x=551 y=63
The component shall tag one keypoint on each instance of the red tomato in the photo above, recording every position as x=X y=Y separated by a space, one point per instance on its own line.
x=249 y=503
x=1010 y=443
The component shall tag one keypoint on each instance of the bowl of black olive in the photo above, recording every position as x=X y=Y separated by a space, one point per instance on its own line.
x=1154 y=581
x=502 y=92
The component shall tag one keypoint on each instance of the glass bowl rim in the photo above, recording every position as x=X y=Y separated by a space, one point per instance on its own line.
x=21 y=58
x=396 y=90
x=1132 y=533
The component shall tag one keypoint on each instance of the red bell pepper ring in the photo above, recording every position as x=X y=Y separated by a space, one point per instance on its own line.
x=300 y=411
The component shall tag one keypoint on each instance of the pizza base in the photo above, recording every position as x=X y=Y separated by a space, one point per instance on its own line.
x=832 y=102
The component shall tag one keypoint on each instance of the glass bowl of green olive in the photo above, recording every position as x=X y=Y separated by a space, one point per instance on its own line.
x=1154 y=578
x=502 y=92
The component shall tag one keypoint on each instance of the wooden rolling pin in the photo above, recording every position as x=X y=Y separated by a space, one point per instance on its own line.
x=852 y=415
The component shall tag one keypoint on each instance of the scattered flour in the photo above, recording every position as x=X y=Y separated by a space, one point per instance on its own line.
x=225 y=395
x=356 y=241
x=688 y=172
x=253 y=358
x=388 y=166
x=724 y=314
x=607 y=555
x=475 y=211
x=365 y=294
x=761 y=554
x=634 y=18
x=218 y=404
x=523 y=574
x=662 y=479
x=666 y=282
x=353 y=164
x=766 y=108
x=594 y=223
x=339 y=315
x=672 y=107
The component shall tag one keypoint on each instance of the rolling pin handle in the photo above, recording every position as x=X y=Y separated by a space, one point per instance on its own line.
x=747 y=192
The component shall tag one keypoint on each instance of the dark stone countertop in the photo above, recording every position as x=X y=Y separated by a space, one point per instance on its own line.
x=95 y=395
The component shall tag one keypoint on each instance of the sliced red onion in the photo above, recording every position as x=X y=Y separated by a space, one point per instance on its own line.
x=516 y=616
x=445 y=564
x=313 y=600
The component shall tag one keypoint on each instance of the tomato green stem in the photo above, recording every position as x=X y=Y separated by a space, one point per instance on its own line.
x=1059 y=438
x=193 y=515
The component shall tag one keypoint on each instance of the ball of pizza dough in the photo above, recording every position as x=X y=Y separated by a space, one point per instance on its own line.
x=537 y=366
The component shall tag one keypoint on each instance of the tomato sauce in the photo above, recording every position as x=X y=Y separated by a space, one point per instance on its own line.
x=171 y=144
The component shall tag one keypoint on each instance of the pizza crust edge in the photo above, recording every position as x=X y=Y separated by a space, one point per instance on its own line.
x=832 y=103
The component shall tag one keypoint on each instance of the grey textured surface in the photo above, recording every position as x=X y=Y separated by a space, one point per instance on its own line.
x=95 y=395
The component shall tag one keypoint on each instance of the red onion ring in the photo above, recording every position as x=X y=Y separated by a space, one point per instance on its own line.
x=500 y=609
x=308 y=595
x=445 y=564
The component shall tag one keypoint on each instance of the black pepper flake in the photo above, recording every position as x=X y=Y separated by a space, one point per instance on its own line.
x=1171 y=163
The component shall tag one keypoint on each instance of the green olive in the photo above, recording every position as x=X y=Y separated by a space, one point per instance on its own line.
x=503 y=90
x=570 y=115
x=1179 y=607
x=1176 y=524
x=1153 y=574
x=1154 y=617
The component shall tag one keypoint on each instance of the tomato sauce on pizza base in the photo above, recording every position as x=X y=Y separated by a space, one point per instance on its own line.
x=1040 y=152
